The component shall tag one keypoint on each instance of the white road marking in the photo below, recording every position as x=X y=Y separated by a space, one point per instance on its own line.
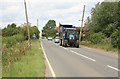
x=51 y=69
x=82 y=55
x=65 y=48
x=113 y=68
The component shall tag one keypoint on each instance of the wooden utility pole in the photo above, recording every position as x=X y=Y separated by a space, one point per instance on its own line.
x=37 y=23
x=29 y=43
x=82 y=24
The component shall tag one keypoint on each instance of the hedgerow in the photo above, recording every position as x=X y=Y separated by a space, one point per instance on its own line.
x=9 y=41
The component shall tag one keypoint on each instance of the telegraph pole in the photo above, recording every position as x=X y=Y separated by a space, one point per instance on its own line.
x=29 y=43
x=37 y=23
x=82 y=24
x=37 y=27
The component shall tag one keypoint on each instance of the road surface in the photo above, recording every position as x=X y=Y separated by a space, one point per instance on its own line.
x=80 y=62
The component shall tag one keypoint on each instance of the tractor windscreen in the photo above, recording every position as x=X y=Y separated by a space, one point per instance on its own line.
x=72 y=32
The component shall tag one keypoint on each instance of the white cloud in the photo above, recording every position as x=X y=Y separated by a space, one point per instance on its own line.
x=63 y=11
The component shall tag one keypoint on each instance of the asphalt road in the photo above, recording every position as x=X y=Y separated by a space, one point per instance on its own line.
x=80 y=62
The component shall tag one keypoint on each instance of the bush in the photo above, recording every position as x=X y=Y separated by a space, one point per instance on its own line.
x=13 y=54
x=19 y=38
x=97 y=38
x=110 y=29
x=115 y=38
x=107 y=41
x=9 y=41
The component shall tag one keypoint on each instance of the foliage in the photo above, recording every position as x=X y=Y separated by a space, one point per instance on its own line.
x=106 y=41
x=14 y=44
x=30 y=65
x=9 y=41
x=101 y=46
x=10 y=30
x=13 y=54
x=110 y=29
x=105 y=19
x=102 y=15
x=34 y=30
x=115 y=38
x=97 y=38
x=49 y=29
x=13 y=30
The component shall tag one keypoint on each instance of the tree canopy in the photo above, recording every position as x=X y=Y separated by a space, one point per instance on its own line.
x=49 y=29
x=12 y=29
x=104 y=19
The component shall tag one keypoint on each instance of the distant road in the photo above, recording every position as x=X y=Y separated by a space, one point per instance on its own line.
x=80 y=62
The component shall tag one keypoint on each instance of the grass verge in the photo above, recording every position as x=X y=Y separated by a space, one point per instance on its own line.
x=101 y=46
x=30 y=65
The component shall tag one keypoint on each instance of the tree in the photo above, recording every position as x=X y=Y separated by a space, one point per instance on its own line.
x=49 y=29
x=10 y=30
x=34 y=30
x=13 y=30
x=104 y=18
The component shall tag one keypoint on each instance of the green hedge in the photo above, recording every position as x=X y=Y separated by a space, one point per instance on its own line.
x=100 y=38
x=13 y=48
x=13 y=54
x=97 y=38
x=9 y=41
x=115 y=38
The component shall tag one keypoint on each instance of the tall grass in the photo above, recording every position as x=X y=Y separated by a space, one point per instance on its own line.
x=30 y=65
x=107 y=47
x=13 y=54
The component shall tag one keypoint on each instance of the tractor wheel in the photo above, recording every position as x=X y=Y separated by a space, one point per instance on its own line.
x=65 y=43
x=60 y=42
x=77 y=43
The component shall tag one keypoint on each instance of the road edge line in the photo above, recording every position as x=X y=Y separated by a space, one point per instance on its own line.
x=51 y=69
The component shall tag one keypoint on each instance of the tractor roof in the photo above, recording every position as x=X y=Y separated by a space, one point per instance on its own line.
x=70 y=29
x=66 y=26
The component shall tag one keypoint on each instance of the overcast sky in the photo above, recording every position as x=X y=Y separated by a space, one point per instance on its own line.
x=63 y=11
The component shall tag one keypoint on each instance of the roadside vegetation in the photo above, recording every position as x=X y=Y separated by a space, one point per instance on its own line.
x=31 y=64
x=0 y=54
x=49 y=29
x=102 y=28
x=18 y=59
x=12 y=29
x=100 y=46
